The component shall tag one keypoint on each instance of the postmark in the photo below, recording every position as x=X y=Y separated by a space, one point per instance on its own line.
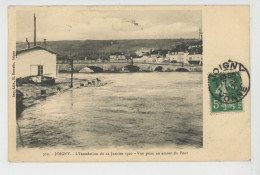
x=229 y=83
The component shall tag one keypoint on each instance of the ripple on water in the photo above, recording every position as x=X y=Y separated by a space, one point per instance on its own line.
x=136 y=110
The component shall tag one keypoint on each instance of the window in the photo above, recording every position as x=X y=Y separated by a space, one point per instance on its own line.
x=40 y=70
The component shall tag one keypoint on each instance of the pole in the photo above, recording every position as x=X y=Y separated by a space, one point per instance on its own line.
x=34 y=41
x=71 y=79
x=182 y=59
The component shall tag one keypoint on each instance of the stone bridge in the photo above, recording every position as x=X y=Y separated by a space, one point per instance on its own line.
x=117 y=66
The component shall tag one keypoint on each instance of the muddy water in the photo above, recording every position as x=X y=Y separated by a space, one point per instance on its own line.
x=138 y=110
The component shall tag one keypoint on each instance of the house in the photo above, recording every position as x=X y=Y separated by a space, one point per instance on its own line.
x=36 y=62
x=177 y=57
x=160 y=60
x=196 y=59
x=99 y=60
x=117 y=57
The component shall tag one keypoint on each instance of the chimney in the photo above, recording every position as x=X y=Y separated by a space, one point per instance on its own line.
x=34 y=30
x=44 y=40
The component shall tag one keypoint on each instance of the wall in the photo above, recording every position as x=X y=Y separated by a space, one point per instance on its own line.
x=195 y=57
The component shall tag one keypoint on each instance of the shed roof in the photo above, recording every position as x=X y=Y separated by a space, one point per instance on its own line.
x=34 y=48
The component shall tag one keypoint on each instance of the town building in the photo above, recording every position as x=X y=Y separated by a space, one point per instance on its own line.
x=99 y=60
x=176 y=57
x=160 y=60
x=117 y=57
x=196 y=59
x=146 y=59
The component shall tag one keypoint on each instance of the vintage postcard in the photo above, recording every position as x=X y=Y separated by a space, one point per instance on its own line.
x=129 y=83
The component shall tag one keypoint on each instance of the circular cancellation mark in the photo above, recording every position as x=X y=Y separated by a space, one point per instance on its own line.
x=229 y=82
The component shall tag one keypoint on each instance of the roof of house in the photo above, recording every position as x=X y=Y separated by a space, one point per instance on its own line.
x=34 y=48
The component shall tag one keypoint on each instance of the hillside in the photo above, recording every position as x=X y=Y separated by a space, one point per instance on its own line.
x=105 y=47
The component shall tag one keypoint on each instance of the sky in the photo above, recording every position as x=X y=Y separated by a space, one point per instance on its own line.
x=64 y=24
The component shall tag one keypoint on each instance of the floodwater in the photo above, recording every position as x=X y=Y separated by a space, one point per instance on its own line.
x=136 y=110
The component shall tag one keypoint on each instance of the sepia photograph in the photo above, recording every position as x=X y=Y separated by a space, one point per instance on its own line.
x=129 y=83
x=91 y=78
x=129 y=87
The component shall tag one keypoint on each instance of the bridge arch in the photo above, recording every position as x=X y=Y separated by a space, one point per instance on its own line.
x=133 y=68
x=182 y=69
x=96 y=69
x=159 y=69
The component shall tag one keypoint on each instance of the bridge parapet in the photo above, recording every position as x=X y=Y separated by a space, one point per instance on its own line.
x=117 y=66
x=168 y=67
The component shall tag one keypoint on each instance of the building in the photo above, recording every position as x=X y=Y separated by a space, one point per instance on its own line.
x=196 y=59
x=176 y=57
x=99 y=60
x=36 y=62
x=160 y=60
x=117 y=57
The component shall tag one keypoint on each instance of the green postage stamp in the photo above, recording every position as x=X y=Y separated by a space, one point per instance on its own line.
x=228 y=85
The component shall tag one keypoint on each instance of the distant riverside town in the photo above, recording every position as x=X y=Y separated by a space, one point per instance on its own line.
x=182 y=53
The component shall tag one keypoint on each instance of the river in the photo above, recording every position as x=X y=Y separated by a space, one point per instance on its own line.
x=135 y=110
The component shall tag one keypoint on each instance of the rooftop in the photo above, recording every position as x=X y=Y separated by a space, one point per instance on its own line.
x=34 y=48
